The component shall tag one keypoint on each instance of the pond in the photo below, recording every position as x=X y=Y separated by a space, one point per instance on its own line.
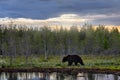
x=56 y=76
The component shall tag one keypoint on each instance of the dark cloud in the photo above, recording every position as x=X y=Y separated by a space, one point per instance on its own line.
x=108 y=21
x=44 y=9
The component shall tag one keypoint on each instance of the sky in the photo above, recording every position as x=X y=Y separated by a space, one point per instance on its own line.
x=75 y=12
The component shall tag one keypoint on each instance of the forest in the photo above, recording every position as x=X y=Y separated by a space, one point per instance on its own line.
x=45 y=41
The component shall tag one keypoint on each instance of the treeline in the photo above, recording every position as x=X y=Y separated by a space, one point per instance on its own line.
x=46 y=41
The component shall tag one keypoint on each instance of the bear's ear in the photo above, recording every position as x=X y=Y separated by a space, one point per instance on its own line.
x=69 y=55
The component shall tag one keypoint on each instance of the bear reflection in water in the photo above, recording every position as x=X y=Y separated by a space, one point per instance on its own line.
x=39 y=79
x=72 y=59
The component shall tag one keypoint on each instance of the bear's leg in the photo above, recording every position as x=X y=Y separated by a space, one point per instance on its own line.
x=70 y=63
x=76 y=63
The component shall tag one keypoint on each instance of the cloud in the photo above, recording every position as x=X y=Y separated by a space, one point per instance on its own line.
x=65 y=19
x=110 y=20
x=46 y=9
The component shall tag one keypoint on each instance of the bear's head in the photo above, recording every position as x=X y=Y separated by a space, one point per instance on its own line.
x=65 y=59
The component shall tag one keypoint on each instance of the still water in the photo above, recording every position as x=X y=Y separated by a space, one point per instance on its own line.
x=57 y=76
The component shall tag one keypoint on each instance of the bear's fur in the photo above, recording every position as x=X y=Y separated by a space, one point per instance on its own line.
x=72 y=59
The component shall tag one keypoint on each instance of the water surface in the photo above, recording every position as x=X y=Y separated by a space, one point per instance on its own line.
x=57 y=76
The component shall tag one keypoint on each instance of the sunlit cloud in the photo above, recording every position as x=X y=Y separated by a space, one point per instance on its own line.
x=68 y=18
x=65 y=19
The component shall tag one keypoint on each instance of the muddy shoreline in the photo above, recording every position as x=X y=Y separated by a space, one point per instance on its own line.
x=62 y=70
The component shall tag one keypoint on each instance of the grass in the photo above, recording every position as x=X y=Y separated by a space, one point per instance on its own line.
x=91 y=61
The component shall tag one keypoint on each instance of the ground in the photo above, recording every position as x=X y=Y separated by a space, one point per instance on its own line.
x=90 y=61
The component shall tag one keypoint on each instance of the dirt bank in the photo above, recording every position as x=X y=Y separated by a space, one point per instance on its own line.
x=62 y=70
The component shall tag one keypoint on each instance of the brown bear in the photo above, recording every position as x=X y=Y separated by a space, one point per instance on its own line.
x=72 y=59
